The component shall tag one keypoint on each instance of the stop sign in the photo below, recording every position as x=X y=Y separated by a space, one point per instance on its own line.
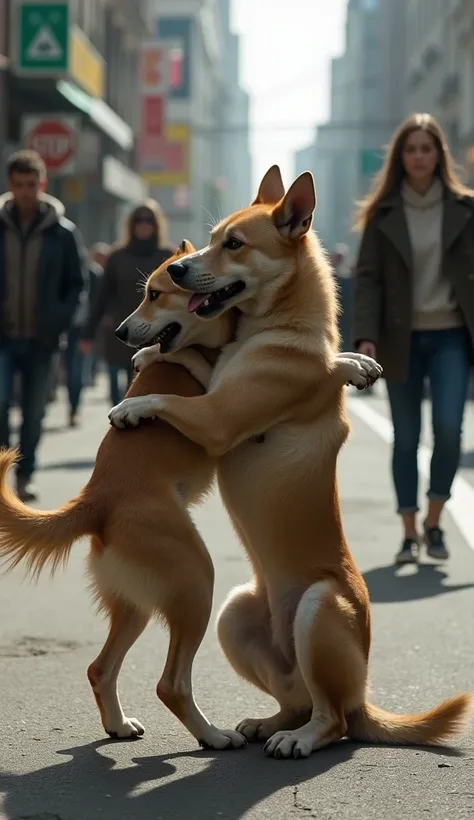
x=55 y=140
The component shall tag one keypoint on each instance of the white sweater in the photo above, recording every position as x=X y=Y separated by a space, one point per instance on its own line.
x=434 y=306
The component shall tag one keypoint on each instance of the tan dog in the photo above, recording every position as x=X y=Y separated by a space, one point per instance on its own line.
x=147 y=558
x=301 y=630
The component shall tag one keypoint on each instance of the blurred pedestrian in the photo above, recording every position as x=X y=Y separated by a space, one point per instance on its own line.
x=98 y=256
x=41 y=281
x=89 y=361
x=144 y=248
x=343 y=275
x=74 y=357
x=414 y=311
x=99 y=253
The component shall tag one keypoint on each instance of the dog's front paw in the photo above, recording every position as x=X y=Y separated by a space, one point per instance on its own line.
x=145 y=357
x=128 y=413
x=123 y=415
x=362 y=371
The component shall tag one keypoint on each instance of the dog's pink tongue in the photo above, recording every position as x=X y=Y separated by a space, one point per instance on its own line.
x=196 y=301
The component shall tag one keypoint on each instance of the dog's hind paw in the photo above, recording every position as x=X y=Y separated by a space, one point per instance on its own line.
x=129 y=729
x=222 y=739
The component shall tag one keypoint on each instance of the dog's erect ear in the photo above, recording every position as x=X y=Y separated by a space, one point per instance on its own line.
x=293 y=216
x=271 y=188
x=186 y=247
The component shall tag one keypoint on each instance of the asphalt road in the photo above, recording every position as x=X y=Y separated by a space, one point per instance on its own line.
x=56 y=764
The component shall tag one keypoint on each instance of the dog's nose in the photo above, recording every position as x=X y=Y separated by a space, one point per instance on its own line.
x=177 y=271
x=122 y=332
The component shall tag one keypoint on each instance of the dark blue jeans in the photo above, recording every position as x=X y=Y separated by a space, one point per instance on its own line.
x=33 y=362
x=441 y=356
x=116 y=392
x=75 y=368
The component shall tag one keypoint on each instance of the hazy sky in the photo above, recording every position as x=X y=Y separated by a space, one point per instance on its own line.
x=286 y=46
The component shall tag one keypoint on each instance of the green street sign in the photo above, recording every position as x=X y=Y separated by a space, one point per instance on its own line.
x=42 y=38
x=371 y=161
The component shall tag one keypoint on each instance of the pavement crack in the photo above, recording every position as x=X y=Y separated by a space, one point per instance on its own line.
x=33 y=646
x=297 y=805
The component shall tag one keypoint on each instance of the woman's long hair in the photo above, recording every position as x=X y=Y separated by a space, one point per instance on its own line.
x=390 y=176
x=162 y=238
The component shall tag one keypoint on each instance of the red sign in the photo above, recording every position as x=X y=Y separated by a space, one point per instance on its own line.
x=54 y=140
x=176 y=65
x=153 y=90
x=153 y=116
x=152 y=132
x=154 y=68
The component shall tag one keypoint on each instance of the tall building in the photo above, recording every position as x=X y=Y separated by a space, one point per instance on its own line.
x=3 y=67
x=70 y=93
x=305 y=160
x=367 y=100
x=188 y=191
x=234 y=108
x=213 y=109
x=440 y=70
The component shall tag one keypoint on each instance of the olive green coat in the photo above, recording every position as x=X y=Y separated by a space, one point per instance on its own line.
x=383 y=278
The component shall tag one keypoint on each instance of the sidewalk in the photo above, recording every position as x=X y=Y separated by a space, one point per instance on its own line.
x=56 y=761
x=378 y=400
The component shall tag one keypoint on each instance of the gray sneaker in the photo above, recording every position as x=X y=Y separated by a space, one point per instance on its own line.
x=25 y=489
x=435 y=546
x=409 y=552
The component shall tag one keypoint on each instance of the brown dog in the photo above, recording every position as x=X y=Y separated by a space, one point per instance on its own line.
x=146 y=558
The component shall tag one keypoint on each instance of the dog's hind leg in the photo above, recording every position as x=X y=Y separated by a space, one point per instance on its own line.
x=126 y=626
x=187 y=612
x=245 y=635
x=333 y=666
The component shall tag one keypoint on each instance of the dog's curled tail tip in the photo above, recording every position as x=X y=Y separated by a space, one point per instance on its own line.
x=35 y=538
x=8 y=459
x=433 y=728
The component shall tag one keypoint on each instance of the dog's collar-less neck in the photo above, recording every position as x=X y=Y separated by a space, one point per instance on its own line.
x=210 y=354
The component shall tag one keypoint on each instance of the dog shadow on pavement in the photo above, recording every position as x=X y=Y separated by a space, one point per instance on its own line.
x=391 y=584
x=207 y=783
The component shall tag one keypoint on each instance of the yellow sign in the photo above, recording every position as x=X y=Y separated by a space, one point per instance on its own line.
x=73 y=190
x=86 y=66
x=175 y=158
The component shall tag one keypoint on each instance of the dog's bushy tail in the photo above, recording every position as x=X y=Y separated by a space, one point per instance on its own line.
x=35 y=537
x=373 y=725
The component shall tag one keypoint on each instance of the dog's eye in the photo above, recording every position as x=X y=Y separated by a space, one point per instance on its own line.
x=232 y=244
x=153 y=295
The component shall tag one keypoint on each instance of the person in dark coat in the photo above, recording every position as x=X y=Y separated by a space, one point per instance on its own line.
x=414 y=312
x=42 y=277
x=98 y=256
x=143 y=249
x=345 y=287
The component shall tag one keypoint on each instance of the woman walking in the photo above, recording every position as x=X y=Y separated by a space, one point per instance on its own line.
x=144 y=248
x=414 y=311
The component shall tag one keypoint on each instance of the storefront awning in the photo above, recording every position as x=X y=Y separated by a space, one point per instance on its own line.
x=100 y=113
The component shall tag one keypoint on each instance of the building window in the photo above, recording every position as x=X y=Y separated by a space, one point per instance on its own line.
x=370 y=5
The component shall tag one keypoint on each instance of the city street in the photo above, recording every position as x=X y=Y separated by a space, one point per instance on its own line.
x=55 y=762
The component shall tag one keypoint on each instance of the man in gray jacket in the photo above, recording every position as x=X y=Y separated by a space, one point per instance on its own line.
x=41 y=284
